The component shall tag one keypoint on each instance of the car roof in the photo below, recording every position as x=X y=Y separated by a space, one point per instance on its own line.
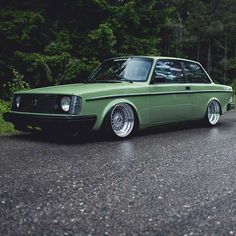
x=155 y=58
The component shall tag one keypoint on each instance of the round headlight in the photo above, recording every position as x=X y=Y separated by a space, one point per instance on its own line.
x=18 y=98
x=65 y=104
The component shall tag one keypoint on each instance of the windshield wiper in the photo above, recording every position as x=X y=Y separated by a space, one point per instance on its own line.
x=101 y=81
x=86 y=81
x=106 y=81
x=118 y=78
x=126 y=80
x=114 y=79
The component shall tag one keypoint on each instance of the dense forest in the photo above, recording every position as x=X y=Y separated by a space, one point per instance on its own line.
x=54 y=42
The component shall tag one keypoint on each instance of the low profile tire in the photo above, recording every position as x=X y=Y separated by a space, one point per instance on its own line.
x=120 y=121
x=213 y=113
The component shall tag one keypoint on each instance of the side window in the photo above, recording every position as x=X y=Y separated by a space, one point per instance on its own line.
x=195 y=73
x=168 y=71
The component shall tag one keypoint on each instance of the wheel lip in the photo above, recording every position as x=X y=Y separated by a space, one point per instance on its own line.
x=129 y=123
x=213 y=112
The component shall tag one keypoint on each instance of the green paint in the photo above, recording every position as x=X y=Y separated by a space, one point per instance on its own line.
x=154 y=104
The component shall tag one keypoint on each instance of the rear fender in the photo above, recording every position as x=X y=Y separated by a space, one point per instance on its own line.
x=214 y=99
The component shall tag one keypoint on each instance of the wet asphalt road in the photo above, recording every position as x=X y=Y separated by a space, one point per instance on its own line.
x=171 y=181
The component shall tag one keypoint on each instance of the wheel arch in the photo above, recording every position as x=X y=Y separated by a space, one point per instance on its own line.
x=113 y=103
x=214 y=99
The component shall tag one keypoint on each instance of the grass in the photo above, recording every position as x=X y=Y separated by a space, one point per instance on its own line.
x=5 y=127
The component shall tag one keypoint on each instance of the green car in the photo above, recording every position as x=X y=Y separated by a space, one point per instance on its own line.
x=125 y=94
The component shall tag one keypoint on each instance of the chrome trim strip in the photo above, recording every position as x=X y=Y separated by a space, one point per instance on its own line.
x=157 y=94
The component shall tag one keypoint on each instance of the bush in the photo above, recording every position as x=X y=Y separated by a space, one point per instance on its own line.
x=17 y=83
x=4 y=126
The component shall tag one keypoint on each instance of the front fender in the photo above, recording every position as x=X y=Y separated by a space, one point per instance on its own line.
x=109 y=106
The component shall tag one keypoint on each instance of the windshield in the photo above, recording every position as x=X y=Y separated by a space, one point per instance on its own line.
x=125 y=69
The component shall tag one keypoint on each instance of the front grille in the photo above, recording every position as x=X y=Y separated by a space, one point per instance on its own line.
x=37 y=103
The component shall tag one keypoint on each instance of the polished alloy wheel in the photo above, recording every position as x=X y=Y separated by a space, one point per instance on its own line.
x=213 y=112
x=122 y=120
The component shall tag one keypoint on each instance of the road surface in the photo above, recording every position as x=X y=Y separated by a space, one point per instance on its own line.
x=179 y=180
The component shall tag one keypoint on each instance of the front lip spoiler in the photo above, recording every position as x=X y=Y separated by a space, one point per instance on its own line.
x=48 y=121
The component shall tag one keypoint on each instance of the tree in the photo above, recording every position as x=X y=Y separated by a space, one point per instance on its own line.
x=64 y=46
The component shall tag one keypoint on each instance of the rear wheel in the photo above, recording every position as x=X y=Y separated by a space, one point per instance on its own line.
x=120 y=121
x=213 y=113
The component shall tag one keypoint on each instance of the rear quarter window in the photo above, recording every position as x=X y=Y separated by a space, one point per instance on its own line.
x=195 y=73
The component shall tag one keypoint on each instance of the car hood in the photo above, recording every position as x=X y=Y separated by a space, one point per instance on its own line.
x=81 y=88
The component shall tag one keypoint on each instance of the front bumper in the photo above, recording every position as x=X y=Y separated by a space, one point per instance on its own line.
x=230 y=106
x=68 y=122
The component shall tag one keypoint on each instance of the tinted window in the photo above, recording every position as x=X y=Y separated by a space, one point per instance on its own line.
x=167 y=71
x=195 y=73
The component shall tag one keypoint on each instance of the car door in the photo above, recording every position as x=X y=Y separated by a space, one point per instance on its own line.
x=200 y=86
x=170 y=100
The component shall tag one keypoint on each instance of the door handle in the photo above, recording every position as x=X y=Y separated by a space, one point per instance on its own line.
x=187 y=87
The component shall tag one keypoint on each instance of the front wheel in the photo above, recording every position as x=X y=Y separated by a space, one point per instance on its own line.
x=120 y=121
x=213 y=113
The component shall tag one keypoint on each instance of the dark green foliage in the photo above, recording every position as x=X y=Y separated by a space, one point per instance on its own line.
x=17 y=83
x=54 y=42
x=4 y=126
